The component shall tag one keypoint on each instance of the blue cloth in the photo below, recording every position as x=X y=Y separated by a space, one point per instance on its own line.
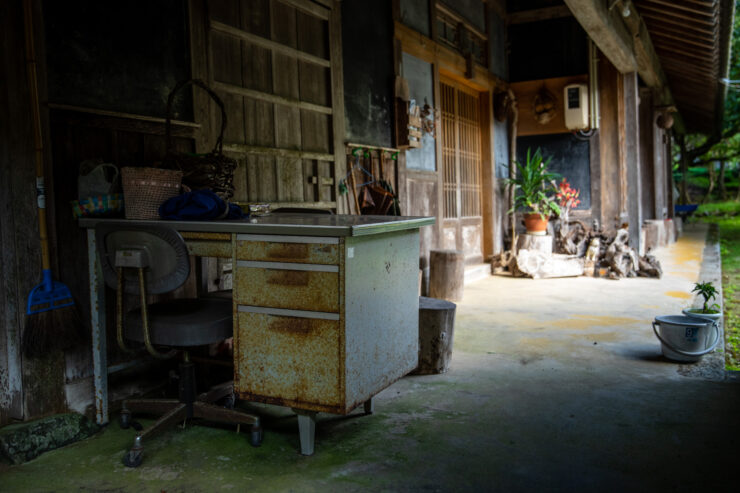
x=199 y=205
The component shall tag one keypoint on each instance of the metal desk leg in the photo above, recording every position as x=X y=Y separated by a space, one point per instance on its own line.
x=306 y=429
x=97 y=319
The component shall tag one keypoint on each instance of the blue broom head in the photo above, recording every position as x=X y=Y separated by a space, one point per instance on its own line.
x=49 y=295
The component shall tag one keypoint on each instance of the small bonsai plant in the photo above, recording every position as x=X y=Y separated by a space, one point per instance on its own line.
x=535 y=186
x=708 y=292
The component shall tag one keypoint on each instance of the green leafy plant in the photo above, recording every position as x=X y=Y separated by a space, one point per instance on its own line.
x=535 y=186
x=708 y=292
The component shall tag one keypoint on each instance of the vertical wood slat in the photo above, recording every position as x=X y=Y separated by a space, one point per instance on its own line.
x=287 y=122
x=337 y=97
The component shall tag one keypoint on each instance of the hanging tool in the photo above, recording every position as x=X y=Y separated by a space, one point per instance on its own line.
x=52 y=320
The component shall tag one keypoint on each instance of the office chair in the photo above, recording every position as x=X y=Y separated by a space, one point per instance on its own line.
x=142 y=260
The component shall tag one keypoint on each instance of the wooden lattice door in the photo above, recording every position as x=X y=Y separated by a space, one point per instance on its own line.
x=277 y=66
x=461 y=166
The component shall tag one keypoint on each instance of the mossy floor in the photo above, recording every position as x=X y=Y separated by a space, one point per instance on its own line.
x=555 y=385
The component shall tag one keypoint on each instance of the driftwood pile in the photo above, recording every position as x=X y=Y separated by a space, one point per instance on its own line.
x=603 y=254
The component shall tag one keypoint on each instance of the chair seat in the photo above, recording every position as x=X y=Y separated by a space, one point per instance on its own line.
x=184 y=322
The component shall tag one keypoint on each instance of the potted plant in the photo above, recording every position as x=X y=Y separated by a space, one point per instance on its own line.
x=535 y=188
x=708 y=292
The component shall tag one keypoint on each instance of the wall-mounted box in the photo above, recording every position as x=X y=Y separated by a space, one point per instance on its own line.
x=575 y=97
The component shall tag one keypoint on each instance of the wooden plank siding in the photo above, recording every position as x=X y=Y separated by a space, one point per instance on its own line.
x=274 y=64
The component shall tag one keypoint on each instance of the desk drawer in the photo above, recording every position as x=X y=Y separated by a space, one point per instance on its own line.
x=300 y=249
x=294 y=286
x=287 y=360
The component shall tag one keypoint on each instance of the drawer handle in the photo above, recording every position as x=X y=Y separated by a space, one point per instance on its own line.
x=280 y=277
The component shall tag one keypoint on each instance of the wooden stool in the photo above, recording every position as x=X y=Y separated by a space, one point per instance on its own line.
x=436 y=326
x=446 y=274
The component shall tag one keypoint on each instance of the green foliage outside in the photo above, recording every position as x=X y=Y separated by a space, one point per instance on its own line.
x=727 y=215
x=718 y=153
x=711 y=165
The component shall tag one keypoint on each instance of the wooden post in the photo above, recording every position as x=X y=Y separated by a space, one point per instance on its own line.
x=436 y=326
x=446 y=274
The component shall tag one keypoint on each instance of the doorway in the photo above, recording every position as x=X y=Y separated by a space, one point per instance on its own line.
x=461 y=170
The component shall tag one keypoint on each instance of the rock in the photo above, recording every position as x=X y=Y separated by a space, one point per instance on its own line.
x=25 y=441
x=539 y=265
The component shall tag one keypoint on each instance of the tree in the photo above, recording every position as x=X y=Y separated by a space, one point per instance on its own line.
x=724 y=146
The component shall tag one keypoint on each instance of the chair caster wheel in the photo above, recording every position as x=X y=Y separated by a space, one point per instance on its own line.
x=133 y=458
x=255 y=436
x=125 y=419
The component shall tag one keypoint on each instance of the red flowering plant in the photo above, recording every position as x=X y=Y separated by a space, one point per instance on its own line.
x=567 y=197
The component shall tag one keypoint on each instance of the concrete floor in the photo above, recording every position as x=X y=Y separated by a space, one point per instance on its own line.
x=555 y=385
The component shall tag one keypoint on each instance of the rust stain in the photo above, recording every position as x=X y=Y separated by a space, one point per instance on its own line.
x=581 y=322
x=687 y=250
x=194 y=235
x=289 y=361
x=311 y=253
x=291 y=324
x=299 y=290
x=287 y=250
x=678 y=294
x=287 y=277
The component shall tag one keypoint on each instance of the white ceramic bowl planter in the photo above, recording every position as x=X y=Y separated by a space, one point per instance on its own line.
x=685 y=339
x=714 y=317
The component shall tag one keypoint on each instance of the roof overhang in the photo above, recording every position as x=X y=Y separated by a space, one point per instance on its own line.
x=680 y=48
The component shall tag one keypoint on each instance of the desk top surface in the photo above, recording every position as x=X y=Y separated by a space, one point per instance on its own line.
x=287 y=224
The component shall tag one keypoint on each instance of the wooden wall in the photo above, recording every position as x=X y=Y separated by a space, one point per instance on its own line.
x=526 y=93
x=278 y=68
x=28 y=388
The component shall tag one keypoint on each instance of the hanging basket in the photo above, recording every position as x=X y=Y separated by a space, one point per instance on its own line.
x=212 y=171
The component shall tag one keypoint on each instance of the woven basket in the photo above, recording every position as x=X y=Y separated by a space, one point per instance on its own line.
x=144 y=190
x=212 y=171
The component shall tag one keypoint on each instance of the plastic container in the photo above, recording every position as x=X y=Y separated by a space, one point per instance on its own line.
x=685 y=339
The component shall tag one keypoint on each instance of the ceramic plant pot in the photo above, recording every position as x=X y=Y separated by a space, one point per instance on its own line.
x=535 y=225
x=714 y=317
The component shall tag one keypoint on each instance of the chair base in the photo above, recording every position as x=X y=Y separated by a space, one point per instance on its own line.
x=172 y=411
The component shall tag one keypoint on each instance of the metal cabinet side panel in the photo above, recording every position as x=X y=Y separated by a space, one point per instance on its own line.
x=381 y=311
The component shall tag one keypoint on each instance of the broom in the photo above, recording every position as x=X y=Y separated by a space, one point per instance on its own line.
x=52 y=321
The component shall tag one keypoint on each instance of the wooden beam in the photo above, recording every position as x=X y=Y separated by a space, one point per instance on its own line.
x=535 y=15
x=451 y=63
x=605 y=29
x=310 y=8
x=274 y=151
x=266 y=43
x=271 y=98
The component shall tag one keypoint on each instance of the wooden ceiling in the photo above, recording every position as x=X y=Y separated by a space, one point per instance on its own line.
x=688 y=39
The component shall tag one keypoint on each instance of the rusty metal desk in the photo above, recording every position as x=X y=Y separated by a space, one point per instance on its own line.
x=325 y=307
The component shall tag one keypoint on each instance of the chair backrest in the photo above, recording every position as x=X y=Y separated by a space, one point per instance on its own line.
x=162 y=249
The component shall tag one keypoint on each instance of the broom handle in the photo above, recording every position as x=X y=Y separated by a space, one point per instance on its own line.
x=38 y=142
